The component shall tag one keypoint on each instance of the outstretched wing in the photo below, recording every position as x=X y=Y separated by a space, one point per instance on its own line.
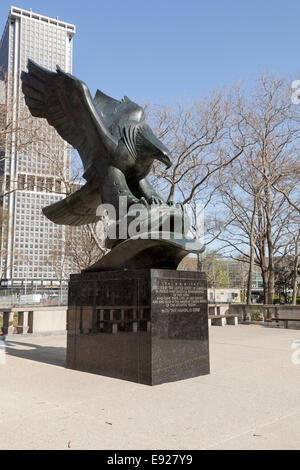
x=116 y=114
x=67 y=105
x=77 y=209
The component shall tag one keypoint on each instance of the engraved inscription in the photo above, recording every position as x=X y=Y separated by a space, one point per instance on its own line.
x=178 y=295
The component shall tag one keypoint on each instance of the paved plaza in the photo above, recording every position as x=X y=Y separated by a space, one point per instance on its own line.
x=249 y=401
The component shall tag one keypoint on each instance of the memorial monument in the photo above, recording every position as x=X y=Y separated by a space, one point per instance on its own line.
x=132 y=315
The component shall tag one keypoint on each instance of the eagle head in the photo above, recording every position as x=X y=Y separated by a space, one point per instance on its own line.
x=148 y=145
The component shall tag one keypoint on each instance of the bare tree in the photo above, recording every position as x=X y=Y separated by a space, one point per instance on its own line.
x=296 y=261
x=254 y=191
x=84 y=246
x=58 y=260
x=74 y=249
x=197 y=136
x=290 y=255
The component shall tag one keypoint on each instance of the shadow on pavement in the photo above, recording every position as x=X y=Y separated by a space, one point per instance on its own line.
x=34 y=352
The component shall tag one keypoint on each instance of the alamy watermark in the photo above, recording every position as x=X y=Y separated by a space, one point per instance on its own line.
x=2 y=352
x=296 y=354
x=151 y=221
x=296 y=94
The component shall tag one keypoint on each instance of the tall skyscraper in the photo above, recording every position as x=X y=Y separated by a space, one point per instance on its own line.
x=37 y=162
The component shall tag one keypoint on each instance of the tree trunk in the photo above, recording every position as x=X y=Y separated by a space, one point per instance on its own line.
x=252 y=253
x=250 y=276
x=171 y=193
x=271 y=284
x=199 y=263
x=61 y=285
x=264 y=269
x=102 y=250
x=295 y=277
x=265 y=285
x=271 y=272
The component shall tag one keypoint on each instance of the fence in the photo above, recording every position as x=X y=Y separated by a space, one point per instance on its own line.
x=51 y=298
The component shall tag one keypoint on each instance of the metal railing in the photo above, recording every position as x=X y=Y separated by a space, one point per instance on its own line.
x=8 y=299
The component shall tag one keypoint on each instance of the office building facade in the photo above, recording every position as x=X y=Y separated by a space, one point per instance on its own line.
x=36 y=166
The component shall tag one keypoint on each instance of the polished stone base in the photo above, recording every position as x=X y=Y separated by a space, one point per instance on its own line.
x=148 y=326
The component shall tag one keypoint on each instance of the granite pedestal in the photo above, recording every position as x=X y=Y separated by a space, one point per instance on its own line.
x=147 y=326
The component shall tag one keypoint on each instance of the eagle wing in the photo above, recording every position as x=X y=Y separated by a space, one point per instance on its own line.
x=116 y=114
x=79 y=208
x=67 y=105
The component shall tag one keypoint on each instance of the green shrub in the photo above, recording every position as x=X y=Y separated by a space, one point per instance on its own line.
x=256 y=315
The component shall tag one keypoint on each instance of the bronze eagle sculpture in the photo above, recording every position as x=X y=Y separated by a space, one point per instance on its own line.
x=116 y=146
x=117 y=149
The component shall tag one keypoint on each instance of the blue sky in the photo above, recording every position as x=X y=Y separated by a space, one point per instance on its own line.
x=161 y=50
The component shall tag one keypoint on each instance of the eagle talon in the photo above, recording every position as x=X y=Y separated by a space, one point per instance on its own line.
x=180 y=205
x=144 y=202
x=156 y=201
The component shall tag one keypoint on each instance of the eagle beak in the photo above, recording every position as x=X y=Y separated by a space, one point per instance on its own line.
x=163 y=157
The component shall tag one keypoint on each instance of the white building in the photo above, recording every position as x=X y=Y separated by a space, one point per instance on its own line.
x=30 y=179
x=223 y=296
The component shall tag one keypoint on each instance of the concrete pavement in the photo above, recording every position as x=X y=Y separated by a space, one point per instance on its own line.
x=250 y=400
